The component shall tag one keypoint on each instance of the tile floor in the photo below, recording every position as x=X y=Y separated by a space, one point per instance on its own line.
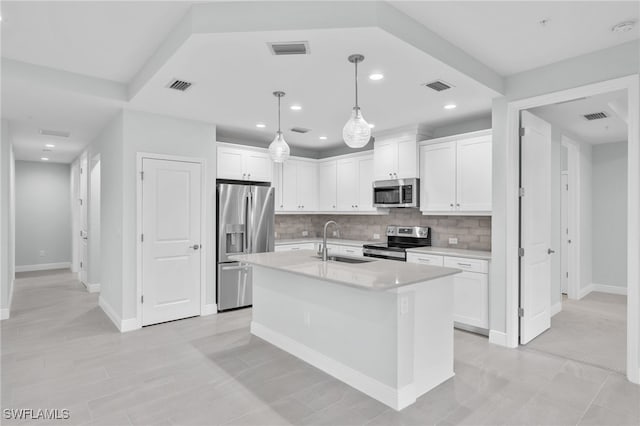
x=592 y=330
x=60 y=351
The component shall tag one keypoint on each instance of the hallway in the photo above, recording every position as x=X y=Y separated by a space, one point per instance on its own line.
x=60 y=351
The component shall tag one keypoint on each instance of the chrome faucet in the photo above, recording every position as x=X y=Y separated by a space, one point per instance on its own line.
x=324 y=240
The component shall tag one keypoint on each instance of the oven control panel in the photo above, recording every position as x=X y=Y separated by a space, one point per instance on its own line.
x=408 y=231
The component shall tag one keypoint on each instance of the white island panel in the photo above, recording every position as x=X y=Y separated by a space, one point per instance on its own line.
x=393 y=345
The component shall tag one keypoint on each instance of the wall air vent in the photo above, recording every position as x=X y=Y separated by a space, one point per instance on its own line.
x=596 y=116
x=179 y=85
x=300 y=130
x=289 y=48
x=438 y=85
x=57 y=133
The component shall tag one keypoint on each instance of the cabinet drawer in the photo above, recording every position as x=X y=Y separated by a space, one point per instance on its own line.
x=425 y=259
x=471 y=265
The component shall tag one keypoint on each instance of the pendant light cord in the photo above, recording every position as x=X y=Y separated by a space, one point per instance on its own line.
x=279 y=114
x=356 y=75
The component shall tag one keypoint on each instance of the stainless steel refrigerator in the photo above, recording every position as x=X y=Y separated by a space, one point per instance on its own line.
x=245 y=225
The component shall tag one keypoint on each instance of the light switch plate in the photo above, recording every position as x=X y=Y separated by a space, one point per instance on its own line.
x=305 y=233
x=376 y=236
x=453 y=240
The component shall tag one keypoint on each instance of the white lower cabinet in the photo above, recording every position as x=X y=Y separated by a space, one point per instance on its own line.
x=471 y=288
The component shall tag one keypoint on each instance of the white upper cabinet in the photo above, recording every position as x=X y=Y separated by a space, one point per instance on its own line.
x=243 y=164
x=395 y=158
x=438 y=177
x=347 y=188
x=299 y=186
x=365 y=181
x=473 y=186
x=276 y=183
x=455 y=175
x=327 y=186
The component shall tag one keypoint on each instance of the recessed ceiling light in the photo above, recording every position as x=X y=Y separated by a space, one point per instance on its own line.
x=44 y=158
x=50 y=145
x=323 y=138
x=261 y=125
x=295 y=107
x=450 y=106
x=623 y=27
x=371 y=125
x=376 y=76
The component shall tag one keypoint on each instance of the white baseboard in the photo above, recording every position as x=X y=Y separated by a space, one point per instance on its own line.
x=209 y=309
x=498 y=338
x=396 y=399
x=556 y=308
x=43 y=267
x=122 y=325
x=6 y=312
x=92 y=288
x=602 y=288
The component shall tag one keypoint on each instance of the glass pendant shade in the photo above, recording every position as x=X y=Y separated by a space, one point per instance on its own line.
x=356 y=133
x=279 y=149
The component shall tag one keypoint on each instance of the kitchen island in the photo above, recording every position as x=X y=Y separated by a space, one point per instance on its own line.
x=383 y=327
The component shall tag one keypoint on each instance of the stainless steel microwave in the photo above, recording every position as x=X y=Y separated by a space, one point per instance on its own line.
x=396 y=193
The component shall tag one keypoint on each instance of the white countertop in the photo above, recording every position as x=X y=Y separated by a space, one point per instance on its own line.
x=376 y=275
x=444 y=251
x=354 y=243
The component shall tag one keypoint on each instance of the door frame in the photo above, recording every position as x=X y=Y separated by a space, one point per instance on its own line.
x=631 y=84
x=203 y=210
x=574 y=253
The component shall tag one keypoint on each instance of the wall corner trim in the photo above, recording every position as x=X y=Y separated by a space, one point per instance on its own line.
x=43 y=267
x=122 y=325
x=557 y=308
x=92 y=287
x=498 y=338
x=209 y=309
x=602 y=288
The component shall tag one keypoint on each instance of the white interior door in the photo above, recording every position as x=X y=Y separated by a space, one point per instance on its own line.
x=84 y=228
x=535 y=227
x=564 y=233
x=171 y=254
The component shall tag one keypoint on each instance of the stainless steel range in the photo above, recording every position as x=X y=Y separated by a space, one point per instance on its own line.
x=399 y=239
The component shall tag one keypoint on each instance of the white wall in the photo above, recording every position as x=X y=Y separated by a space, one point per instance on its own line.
x=172 y=136
x=609 y=201
x=619 y=61
x=118 y=144
x=7 y=273
x=109 y=144
x=43 y=214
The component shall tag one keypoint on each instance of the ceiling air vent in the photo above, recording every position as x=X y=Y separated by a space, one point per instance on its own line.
x=180 y=85
x=595 y=116
x=58 y=133
x=289 y=48
x=438 y=85
x=300 y=130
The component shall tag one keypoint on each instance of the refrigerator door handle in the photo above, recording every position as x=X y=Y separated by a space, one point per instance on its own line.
x=250 y=221
x=246 y=226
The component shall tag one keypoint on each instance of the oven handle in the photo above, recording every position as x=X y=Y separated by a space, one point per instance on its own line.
x=375 y=252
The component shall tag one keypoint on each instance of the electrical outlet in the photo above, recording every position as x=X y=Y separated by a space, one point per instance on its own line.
x=42 y=253
x=335 y=233
x=276 y=235
x=376 y=236
x=453 y=240
x=307 y=319
x=305 y=233
x=404 y=305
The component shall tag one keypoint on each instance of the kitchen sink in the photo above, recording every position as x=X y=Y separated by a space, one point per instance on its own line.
x=346 y=259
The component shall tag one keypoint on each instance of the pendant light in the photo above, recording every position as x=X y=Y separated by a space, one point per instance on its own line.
x=356 y=133
x=278 y=149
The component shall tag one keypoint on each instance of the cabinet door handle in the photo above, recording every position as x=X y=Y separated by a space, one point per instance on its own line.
x=424 y=260
x=464 y=264
x=549 y=251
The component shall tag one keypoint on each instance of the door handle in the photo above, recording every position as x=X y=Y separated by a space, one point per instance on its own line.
x=549 y=251
x=195 y=246
x=236 y=268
